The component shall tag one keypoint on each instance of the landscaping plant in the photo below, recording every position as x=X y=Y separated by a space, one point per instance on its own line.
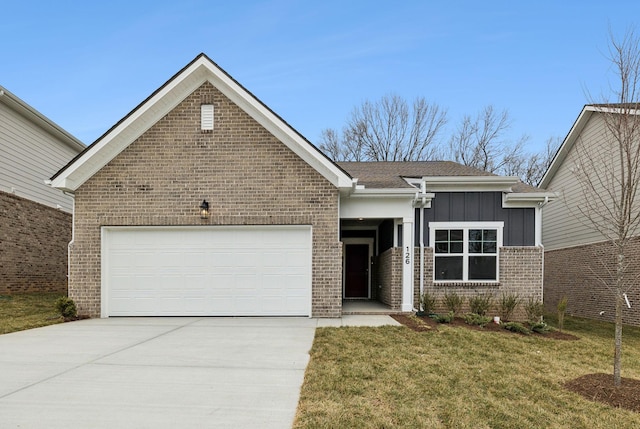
x=534 y=309
x=562 y=308
x=476 y=319
x=444 y=318
x=516 y=327
x=66 y=307
x=453 y=302
x=428 y=303
x=480 y=304
x=507 y=305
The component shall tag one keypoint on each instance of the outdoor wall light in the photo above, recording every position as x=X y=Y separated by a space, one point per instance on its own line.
x=204 y=210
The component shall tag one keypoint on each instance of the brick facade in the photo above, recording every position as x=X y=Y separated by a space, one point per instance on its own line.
x=33 y=246
x=520 y=273
x=577 y=273
x=247 y=175
x=389 y=278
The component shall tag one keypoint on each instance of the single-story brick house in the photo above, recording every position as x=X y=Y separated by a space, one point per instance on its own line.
x=203 y=201
x=35 y=219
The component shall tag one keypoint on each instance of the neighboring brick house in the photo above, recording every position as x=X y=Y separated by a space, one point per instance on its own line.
x=574 y=250
x=35 y=220
x=202 y=201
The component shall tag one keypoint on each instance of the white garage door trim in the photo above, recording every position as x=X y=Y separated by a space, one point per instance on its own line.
x=261 y=264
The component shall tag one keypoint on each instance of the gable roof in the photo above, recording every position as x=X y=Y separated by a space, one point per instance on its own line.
x=578 y=126
x=19 y=106
x=202 y=69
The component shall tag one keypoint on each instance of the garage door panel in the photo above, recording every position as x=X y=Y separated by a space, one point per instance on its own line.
x=207 y=271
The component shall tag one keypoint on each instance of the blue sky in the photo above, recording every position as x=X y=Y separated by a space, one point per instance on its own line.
x=87 y=64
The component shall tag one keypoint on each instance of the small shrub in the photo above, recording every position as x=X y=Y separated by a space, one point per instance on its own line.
x=516 y=327
x=507 y=305
x=66 y=307
x=534 y=309
x=428 y=303
x=453 y=302
x=480 y=304
x=562 y=308
x=540 y=327
x=444 y=318
x=476 y=319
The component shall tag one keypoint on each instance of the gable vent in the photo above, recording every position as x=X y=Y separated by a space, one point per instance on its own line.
x=206 y=117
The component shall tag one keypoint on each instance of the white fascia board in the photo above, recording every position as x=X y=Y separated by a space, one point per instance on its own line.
x=527 y=199
x=132 y=127
x=384 y=193
x=166 y=99
x=567 y=144
x=18 y=105
x=470 y=183
x=374 y=207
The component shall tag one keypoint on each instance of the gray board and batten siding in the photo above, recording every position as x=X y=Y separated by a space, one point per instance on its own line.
x=519 y=223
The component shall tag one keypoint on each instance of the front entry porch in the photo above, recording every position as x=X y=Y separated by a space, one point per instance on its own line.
x=366 y=306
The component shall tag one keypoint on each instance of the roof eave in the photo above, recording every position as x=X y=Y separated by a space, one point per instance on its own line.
x=42 y=121
x=470 y=183
x=567 y=144
x=161 y=102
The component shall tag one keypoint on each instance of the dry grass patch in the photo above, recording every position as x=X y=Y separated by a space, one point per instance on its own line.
x=25 y=311
x=459 y=378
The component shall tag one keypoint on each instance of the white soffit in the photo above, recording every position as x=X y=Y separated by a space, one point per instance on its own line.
x=470 y=183
x=202 y=69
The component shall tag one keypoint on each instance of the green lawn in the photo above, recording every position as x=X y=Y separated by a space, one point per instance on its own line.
x=26 y=311
x=392 y=377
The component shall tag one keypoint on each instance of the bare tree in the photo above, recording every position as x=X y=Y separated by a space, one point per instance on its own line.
x=478 y=142
x=609 y=176
x=388 y=130
x=530 y=166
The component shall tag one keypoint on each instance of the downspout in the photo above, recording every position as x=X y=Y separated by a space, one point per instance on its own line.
x=423 y=190
x=539 y=227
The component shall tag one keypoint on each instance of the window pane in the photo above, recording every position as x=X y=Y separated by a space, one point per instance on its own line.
x=456 y=247
x=490 y=235
x=482 y=268
x=456 y=235
x=489 y=248
x=449 y=268
x=475 y=247
x=442 y=235
x=442 y=247
x=475 y=235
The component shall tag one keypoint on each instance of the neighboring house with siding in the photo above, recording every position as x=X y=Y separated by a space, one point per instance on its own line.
x=574 y=250
x=35 y=219
x=203 y=201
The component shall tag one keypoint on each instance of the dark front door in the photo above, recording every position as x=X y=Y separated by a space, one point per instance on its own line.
x=356 y=267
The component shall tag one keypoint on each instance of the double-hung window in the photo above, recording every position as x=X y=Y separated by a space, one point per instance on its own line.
x=465 y=251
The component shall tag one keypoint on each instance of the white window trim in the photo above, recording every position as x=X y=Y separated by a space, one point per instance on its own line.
x=466 y=226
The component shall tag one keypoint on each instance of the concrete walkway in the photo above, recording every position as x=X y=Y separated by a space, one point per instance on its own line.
x=159 y=372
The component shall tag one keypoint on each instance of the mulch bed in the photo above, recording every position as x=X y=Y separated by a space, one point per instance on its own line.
x=425 y=323
x=594 y=387
x=600 y=388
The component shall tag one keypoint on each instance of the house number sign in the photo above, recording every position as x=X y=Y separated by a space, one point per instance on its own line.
x=407 y=256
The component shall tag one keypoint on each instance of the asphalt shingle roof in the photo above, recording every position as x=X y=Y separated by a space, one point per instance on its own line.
x=382 y=174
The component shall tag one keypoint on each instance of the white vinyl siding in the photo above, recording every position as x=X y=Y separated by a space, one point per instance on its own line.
x=28 y=156
x=206 y=271
x=562 y=224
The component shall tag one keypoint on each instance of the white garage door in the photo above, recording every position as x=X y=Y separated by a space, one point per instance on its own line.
x=206 y=271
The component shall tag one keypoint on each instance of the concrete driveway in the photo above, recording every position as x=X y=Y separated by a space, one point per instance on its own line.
x=155 y=373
